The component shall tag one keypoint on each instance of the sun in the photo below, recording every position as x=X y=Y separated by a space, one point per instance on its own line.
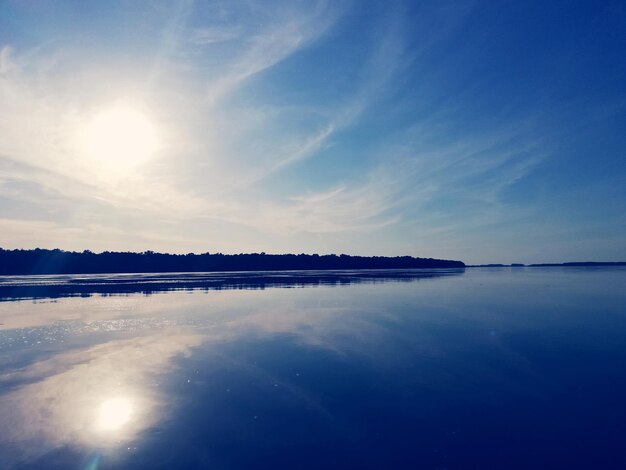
x=119 y=137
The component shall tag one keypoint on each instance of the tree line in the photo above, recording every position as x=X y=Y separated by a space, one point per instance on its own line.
x=44 y=261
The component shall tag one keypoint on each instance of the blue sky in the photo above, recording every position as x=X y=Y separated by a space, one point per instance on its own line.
x=481 y=131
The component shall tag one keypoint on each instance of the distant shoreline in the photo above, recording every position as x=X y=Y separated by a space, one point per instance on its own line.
x=573 y=264
x=44 y=261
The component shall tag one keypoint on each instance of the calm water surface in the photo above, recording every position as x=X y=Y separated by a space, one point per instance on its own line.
x=483 y=368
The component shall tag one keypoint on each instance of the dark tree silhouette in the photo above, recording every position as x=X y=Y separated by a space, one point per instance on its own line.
x=41 y=261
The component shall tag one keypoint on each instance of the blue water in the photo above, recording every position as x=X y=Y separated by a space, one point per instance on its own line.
x=482 y=368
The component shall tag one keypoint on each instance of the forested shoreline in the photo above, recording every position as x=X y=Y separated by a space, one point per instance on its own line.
x=44 y=261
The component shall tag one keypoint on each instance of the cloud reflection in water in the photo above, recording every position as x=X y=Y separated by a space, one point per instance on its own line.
x=100 y=387
x=94 y=398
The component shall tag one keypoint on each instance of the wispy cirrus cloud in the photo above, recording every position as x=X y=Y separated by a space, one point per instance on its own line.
x=214 y=34
x=370 y=200
x=300 y=124
x=264 y=38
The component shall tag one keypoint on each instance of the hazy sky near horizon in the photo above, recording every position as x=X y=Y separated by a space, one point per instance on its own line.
x=486 y=131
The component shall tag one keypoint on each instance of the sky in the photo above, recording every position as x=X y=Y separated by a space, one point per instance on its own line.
x=484 y=131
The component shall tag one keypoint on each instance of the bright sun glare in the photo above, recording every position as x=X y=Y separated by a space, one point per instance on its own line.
x=114 y=413
x=119 y=137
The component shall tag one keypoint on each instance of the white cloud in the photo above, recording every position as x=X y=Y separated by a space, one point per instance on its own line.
x=214 y=34
x=282 y=33
x=221 y=155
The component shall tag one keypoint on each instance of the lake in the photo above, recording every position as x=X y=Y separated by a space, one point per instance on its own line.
x=474 y=368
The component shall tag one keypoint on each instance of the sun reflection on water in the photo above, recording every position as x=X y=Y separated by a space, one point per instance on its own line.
x=114 y=413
